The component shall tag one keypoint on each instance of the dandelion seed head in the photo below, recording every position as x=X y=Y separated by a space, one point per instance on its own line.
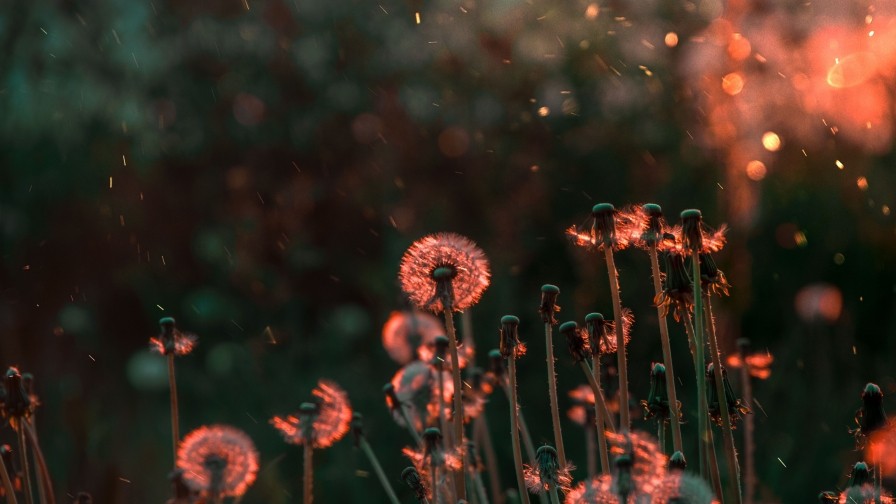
x=408 y=334
x=171 y=340
x=444 y=265
x=325 y=422
x=547 y=472
x=218 y=460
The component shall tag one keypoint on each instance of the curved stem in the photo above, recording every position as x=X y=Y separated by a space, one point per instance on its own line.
x=7 y=484
x=378 y=469
x=175 y=417
x=458 y=402
x=552 y=390
x=603 y=420
x=308 y=477
x=624 y=422
x=701 y=399
x=667 y=352
x=43 y=473
x=515 y=433
x=23 y=453
x=727 y=434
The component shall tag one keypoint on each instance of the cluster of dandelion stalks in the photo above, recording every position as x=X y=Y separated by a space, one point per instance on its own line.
x=439 y=395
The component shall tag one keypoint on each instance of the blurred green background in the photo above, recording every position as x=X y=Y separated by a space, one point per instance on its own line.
x=256 y=169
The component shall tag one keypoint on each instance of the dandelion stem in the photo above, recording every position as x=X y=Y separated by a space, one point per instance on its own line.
x=23 y=453
x=603 y=419
x=747 y=385
x=661 y=436
x=727 y=434
x=527 y=440
x=458 y=403
x=41 y=463
x=620 y=340
x=552 y=389
x=411 y=428
x=710 y=448
x=674 y=414
x=701 y=397
x=175 y=416
x=378 y=469
x=308 y=477
x=480 y=427
x=7 y=484
x=702 y=422
x=443 y=422
x=476 y=478
x=599 y=402
x=436 y=483
x=591 y=450
x=515 y=433
x=41 y=491
x=552 y=489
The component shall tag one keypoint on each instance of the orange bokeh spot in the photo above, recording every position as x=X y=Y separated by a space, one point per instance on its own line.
x=819 y=301
x=756 y=170
x=733 y=83
x=771 y=141
x=852 y=70
x=739 y=47
x=671 y=39
x=592 y=11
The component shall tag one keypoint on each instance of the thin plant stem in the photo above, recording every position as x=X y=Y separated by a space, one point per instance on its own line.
x=7 y=484
x=436 y=484
x=661 y=436
x=309 y=475
x=47 y=495
x=552 y=390
x=667 y=352
x=727 y=434
x=479 y=495
x=624 y=422
x=515 y=433
x=749 y=470
x=527 y=440
x=41 y=491
x=411 y=428
x=458 y=402
x=443 y=422
x=491 y=459
x=875 y=460
x=466 y=326
x=710 y=448
x=602 y=418
x=702 y=420
x=599 y=402
x=378 y=469
x=555 y=499
x=701 y=399
x=175 y=417
x=590 y=450
x=23 y=453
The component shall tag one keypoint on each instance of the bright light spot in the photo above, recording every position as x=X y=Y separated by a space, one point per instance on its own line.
x=739 y=47
x=756 y=170
x=543 y=111
x=733 y=83
x=885 y=210
x=871 y=33
x=592 y=11
x=852 y=70
x=671 y=39
x=771 y=141
x=800 y=238
x=862 y=182
x=839 y=164
x=418 y=17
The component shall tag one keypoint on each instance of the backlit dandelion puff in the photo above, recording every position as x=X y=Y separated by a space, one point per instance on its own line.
x=547 y=475
x=594 y=491
x=647 y=462
x=331 y=421
x=416 y=388
x=440 y=265
x=433 y=462
x=582 y=412
x=407 y=333
x=601 y=333
x=680 y=487
x=218 y=461
x=172 y=341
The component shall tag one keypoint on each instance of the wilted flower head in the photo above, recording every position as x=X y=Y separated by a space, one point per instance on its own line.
x=547 y=474
x=322 y=424
x=577 y=340
x=759 y=363
x=548 y=306
x=510 y=338
x=172 y=341
x=413 y=480
x=736 y=408
x=657 y=403
x=602 y=332
x=444 y=266
x=697 y=236
x=678 y=290
x=17 y=401
x=408 y=333
x=218 y=461
x=607 y=227
x=711 y=277
x=871 y=417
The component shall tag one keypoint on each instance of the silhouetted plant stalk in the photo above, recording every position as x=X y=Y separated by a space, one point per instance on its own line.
x=599 y=343
x=547 y=309
x=47 y=495
x=438 y=362
x=172 y=343
x=473 y=471
x=16 y=407
x=483 y=439
x=361 y=442
x=4 y=475
x=458 y=402
x=710 y=448
x=28 y=384
x=652 y=237
x=511 y=348
x=743 y=345
x=307 y=412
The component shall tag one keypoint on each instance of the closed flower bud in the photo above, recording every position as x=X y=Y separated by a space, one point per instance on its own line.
x=496 y=363
x=711 y=277
x=678 y=290
x=677 y=462
x=432 y=439
x=604 y=215
x=510 y=339
x=412 y=478
x=548 y=305
x=17 y=403
x=657 y=403
x=655 y=225
x=357 y=426
x=547 y=472
x=575 y=339
x=871 y=417
x=861 y=475
x=735 y=406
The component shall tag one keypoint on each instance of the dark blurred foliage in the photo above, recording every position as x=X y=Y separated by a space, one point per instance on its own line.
x=256 y=170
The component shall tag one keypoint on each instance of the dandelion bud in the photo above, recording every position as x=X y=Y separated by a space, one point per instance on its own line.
x=17 y=403
x=412 y=478
x=678 y=291
x=575 y=340
x=828 y=497
x=357 y=428
x=549 y=306
x=711 y=277
x=432 y=438
x=172 y=341
x=873 y=409
x=510 y=339
x=653 y=232
x=496 y=363
x=692 y=230
x=657 y=403
x=83 y=498
x=601 y=340
x=735 y=407
x=472 y=461
x=860 y=475
x=604 y=215
x=441 y=354
x=677 y=462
